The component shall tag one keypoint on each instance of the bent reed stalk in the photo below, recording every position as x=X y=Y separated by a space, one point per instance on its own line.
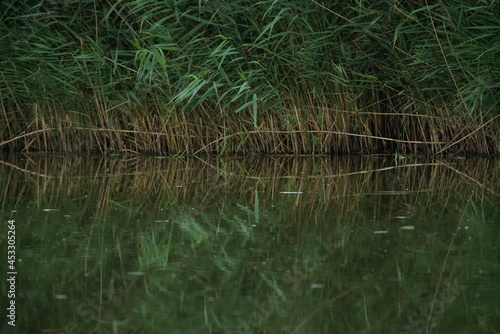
x=236 y=77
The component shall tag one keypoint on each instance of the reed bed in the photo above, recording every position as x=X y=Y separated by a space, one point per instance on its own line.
x=236 y=77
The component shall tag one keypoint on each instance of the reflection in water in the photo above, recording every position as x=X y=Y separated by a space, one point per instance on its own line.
x=267 y=245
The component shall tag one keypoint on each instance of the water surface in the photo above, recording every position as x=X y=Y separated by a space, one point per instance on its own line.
x=252 y=245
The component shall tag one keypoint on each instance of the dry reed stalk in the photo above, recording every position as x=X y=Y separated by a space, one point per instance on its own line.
x=307 y=135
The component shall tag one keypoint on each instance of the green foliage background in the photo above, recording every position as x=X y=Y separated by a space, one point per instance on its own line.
x=244 y=76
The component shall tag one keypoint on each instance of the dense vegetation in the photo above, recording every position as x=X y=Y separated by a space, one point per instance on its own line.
x=247 y=76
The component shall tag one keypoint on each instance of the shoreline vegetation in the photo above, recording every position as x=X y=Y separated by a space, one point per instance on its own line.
x=238 y=77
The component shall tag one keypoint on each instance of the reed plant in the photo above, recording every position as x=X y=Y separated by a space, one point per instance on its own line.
x=301 y=77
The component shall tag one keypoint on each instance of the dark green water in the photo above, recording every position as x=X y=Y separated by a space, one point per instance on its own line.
x=255 y=245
